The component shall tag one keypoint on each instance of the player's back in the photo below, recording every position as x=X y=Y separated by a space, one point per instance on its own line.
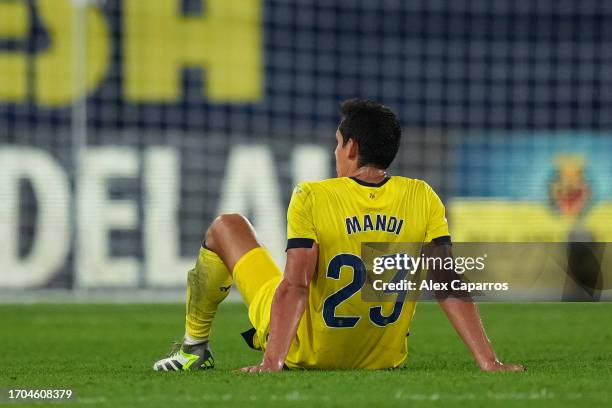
x=339 y=329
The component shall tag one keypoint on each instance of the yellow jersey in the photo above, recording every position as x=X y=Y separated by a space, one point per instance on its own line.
x=339 y=330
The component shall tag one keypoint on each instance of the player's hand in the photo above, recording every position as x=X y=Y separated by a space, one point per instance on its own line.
x=264 y=367
x=494 y=366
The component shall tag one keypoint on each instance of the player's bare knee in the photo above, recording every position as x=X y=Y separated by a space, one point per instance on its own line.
x=223 y=225
x=226 y=223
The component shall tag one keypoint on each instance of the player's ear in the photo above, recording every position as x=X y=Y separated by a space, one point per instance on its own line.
x=353 y=149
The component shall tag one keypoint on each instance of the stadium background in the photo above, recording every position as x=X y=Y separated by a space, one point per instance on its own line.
x=126 y=126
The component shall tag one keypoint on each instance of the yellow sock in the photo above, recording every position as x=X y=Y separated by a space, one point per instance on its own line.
x=208 y=283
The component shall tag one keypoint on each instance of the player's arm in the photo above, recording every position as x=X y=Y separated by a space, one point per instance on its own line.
x=464 y=316
x=288 y=305
x=291 y=296
x=458 y=305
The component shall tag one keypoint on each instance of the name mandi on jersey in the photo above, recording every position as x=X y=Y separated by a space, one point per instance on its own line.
x=381 y=222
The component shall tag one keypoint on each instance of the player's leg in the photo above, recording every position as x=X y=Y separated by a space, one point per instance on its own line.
x=233 y=239
x=230 y=244
x=227 y=240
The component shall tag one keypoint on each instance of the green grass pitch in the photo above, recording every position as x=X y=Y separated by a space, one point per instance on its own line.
x=105 y=353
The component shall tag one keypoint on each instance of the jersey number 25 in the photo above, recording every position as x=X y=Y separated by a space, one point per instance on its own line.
x=335 y=299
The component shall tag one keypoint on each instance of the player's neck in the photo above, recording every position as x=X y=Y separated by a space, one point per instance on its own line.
x=369 y=174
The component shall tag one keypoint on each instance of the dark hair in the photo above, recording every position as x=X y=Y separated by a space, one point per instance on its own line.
x=374 y=128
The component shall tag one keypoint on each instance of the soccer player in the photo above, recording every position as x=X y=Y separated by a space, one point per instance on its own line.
x=312 y=316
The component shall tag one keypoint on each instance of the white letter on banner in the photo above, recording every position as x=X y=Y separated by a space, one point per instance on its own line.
x=251 y=187
x=97 y=215
x=310 y=163
x=163 y=263
x=51 y=241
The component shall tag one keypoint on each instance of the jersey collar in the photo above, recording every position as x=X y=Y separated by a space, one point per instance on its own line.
x=365 y=183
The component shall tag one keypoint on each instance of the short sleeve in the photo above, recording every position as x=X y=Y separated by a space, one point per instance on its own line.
x=300 y=224
x=437 y=225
